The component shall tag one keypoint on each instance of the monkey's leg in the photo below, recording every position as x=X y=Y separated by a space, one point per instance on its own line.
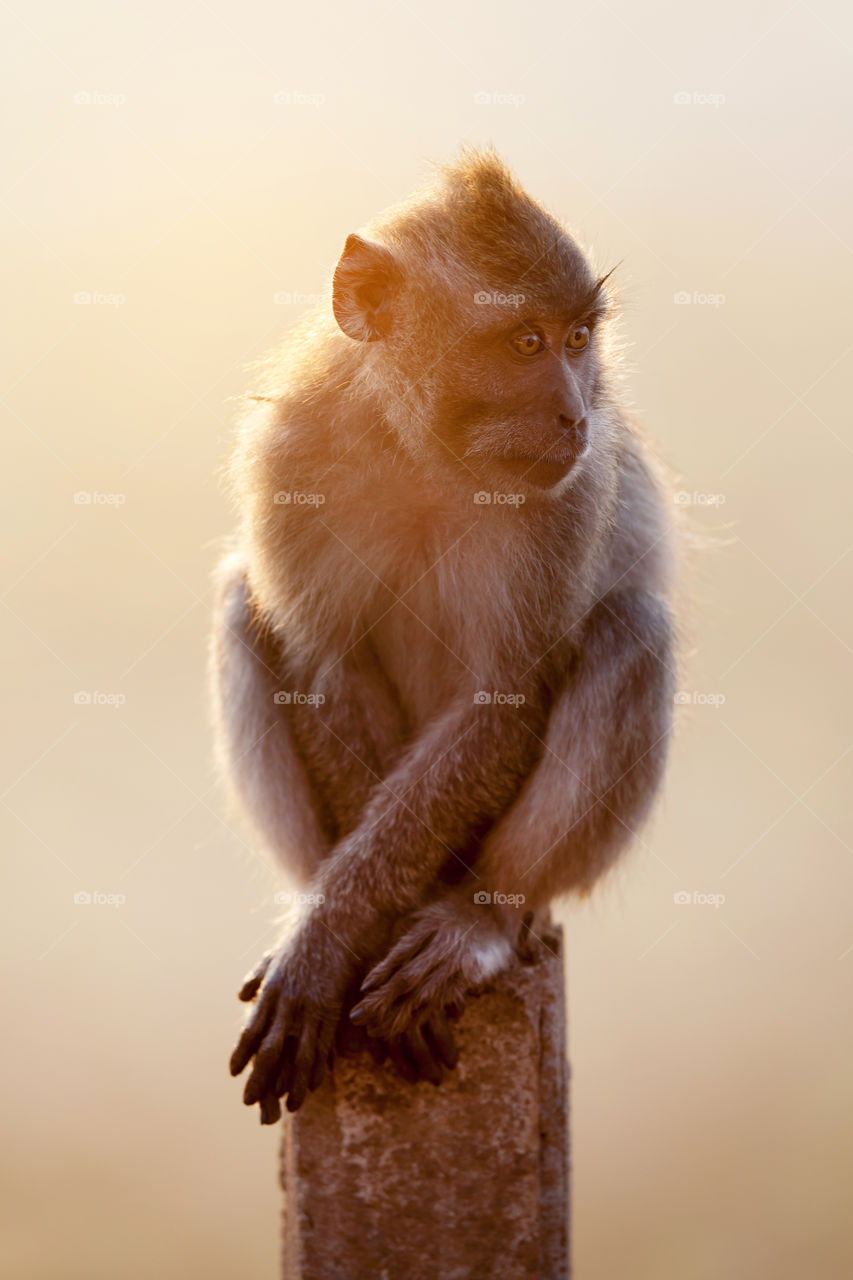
x=349 y=728
x=304 y=750
x=254 y=739
x=605 y=749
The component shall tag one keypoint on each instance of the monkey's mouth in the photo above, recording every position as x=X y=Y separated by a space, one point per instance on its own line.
x=544 y=472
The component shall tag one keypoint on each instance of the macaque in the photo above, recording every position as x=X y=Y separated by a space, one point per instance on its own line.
x=443 y=656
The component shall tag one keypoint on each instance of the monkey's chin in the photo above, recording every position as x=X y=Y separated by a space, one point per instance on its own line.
x=543 y=473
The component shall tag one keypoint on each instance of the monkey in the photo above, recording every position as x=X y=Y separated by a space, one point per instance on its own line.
x=444 y=641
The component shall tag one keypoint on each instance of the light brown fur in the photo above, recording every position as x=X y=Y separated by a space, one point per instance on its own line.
x=369 y=577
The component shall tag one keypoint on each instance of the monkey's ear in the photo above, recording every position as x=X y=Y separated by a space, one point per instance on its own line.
x=363 y=288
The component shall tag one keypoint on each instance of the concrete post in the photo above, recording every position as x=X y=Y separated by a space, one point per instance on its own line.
x=385 y=1180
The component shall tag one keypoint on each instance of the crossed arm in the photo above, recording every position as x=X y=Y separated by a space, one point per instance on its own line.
x=458 y=776
x=554 y=798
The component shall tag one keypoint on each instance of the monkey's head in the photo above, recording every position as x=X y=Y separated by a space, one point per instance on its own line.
x=482 y=325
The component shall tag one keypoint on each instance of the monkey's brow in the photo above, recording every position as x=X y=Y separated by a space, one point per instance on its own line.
x=566 y=306
x=593 y=302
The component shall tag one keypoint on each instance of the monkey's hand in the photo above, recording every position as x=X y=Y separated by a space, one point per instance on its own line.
x=300 y=992
x=422 y=1052
x=450 y=948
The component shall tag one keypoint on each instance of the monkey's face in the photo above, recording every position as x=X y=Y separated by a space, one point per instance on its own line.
x=505 y=395
x=519 y=402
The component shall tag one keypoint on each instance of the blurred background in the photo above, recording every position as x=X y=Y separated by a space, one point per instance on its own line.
x=177 y=182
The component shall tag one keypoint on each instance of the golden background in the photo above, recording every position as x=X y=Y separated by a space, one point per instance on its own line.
x=190 y=168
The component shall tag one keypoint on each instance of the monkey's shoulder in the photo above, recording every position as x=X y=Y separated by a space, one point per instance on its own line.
x=641 y=554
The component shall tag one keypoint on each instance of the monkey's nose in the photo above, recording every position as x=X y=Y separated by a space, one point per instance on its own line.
x=575 y=431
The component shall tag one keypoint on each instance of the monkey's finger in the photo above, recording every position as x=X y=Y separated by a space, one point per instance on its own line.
x=422 y=1055
x=252 y=981
x=524 y=947
x=285 y=1069
x=378 y=976
x=302 y=1066
x=254 y=1031
x=360 y=1014
x=412 y=944
x=246 y=1048
x=325 y=1039
x=442 y=1040
x=387 y=1010
x=384 y=1014
x=265 y=1070
x=270 y=1109
x=405 y=987
x=268 y=1056
x=413 y=948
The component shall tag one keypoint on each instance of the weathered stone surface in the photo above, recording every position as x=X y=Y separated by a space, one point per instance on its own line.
x=392 y=1181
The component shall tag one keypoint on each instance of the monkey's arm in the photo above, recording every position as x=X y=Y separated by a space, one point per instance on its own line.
x=304 y=750
x=451 y=783
x=302 y=771
x=605 y=751
x=605 y=748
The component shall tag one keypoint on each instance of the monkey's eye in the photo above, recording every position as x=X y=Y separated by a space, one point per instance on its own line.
x=528 y=344
x=578 y=338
